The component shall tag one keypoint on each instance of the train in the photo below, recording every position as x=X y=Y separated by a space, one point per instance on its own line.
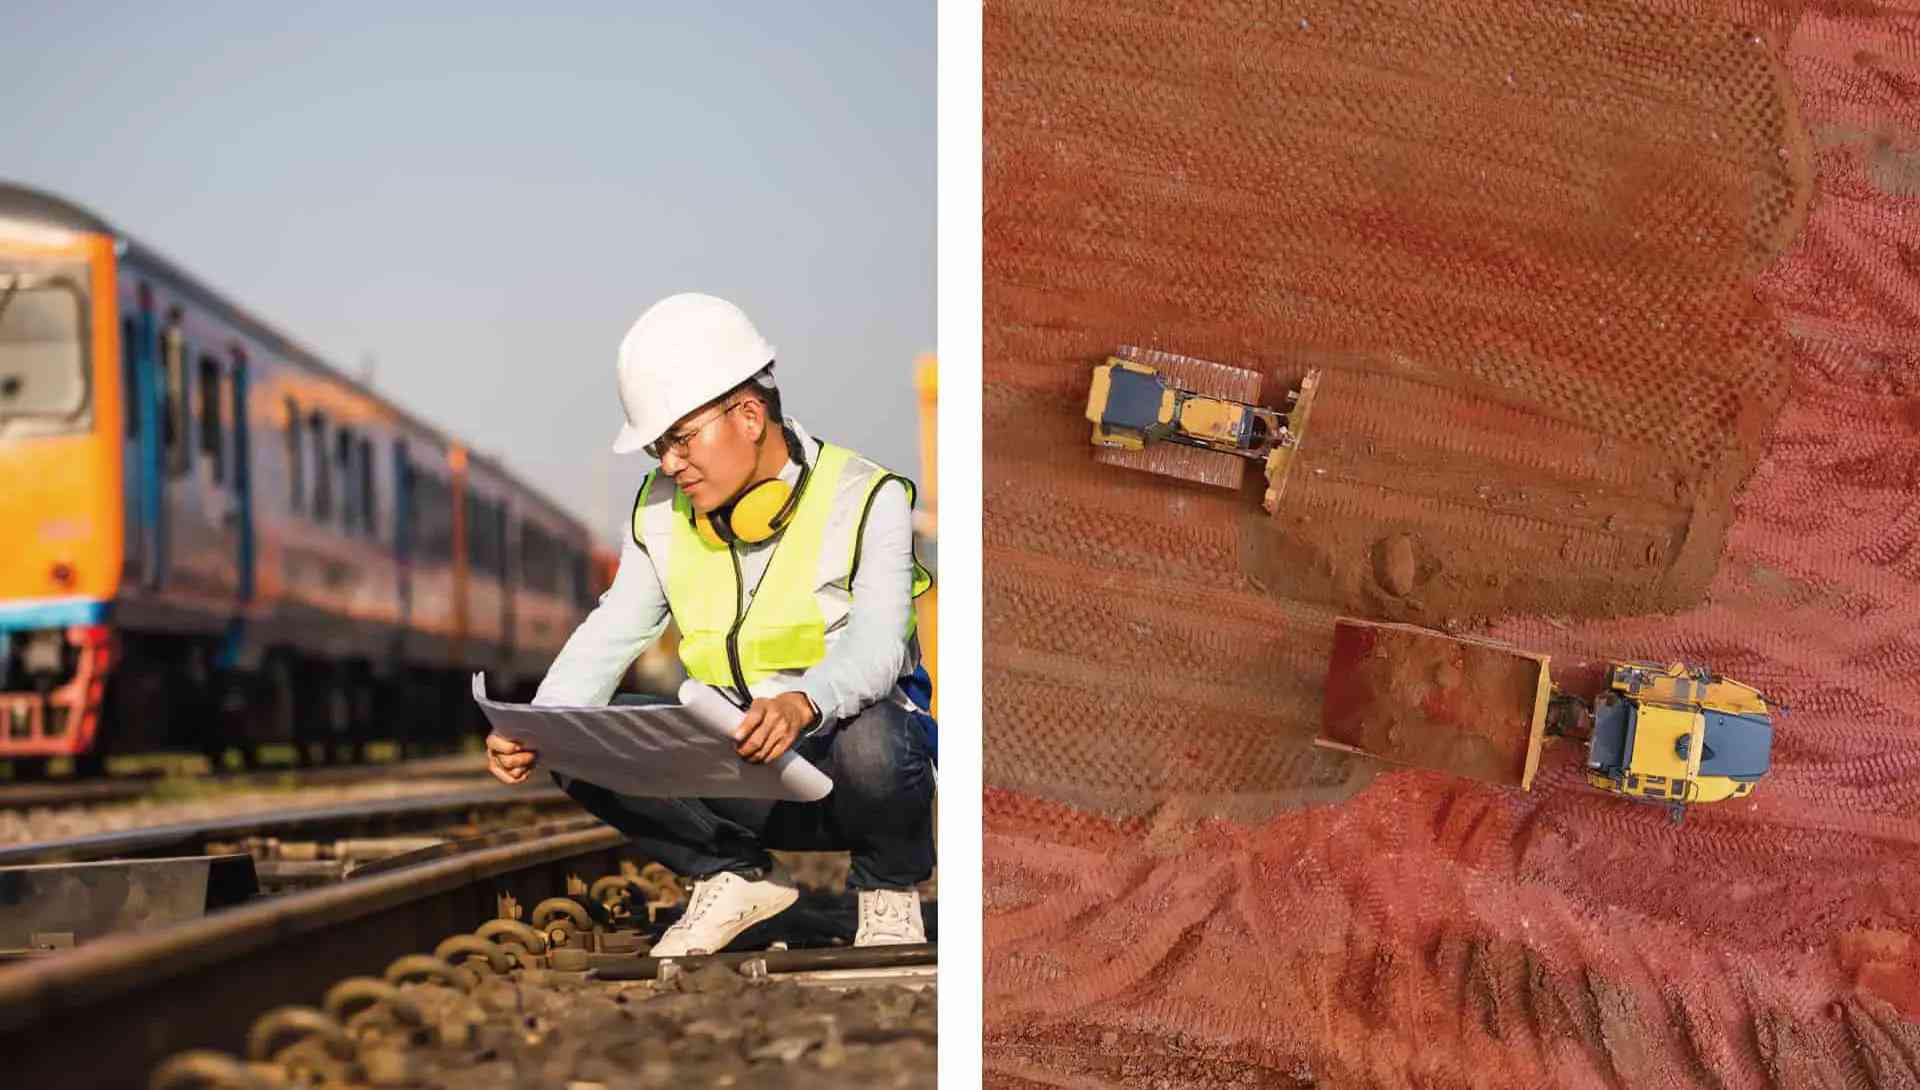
x=211 y=538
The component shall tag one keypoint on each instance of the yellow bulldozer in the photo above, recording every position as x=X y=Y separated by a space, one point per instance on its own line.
x=1667 y=733
x=1194 y=419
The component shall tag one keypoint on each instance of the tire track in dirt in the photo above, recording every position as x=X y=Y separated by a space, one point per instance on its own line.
x=1531 y=975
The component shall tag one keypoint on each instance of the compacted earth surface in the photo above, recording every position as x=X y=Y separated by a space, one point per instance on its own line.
x=1613 y=305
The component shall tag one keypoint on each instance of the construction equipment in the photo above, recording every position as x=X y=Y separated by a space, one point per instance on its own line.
x=1193 y=419
x=1670 y=734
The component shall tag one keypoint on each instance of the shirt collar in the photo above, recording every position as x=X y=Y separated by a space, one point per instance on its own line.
x=790 y=472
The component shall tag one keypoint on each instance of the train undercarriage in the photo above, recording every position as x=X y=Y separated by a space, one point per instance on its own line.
x=85 y=693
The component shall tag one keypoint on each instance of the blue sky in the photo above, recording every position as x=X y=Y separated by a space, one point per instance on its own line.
x=480 y=198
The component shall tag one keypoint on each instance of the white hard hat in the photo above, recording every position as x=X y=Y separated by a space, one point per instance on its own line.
x=683 y=352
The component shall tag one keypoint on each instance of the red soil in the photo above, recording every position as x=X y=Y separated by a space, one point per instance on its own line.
x=1619 y=309
x=1416 y=697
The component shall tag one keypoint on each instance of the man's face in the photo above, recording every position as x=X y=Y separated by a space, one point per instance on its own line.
x=710 y=452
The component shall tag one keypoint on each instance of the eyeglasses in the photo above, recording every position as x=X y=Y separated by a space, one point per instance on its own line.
x=678 y=443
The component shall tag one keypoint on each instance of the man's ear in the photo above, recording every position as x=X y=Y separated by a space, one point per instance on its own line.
x=755 y=411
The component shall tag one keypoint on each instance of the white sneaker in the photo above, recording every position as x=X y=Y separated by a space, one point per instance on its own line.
x=723 y=906
x=889 y=917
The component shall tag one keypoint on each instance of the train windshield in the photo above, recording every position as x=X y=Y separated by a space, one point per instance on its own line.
x=43 y=351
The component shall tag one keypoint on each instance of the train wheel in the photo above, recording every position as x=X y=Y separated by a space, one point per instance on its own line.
x=285 y=720
x=29 y=769
x=229 y=703
x=337 y=701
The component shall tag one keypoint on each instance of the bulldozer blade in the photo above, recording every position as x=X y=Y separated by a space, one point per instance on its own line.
x=1280 y=460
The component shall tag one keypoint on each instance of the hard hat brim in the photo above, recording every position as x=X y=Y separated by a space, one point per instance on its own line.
x=629 y=440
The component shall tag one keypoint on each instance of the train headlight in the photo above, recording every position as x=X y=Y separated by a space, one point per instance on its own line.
x=62 y=574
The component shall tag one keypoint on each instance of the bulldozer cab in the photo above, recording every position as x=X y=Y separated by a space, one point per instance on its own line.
x=1675 y=734
x=1127 y=402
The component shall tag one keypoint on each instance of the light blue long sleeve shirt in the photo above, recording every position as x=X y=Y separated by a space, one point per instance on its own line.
x=860 y=668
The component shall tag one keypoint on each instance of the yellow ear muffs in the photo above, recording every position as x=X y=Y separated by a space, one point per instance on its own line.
x=709 y=532
x=761 y=512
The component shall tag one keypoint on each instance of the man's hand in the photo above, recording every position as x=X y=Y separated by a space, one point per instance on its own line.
x=771 y=724
x=508 y=760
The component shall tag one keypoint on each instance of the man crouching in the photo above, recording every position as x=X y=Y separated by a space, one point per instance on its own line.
x=788 y=564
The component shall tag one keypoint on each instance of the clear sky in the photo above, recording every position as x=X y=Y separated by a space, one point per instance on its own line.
x=479 y=198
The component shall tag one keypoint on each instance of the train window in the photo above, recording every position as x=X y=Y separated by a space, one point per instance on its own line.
x=538 y=557
x=173 y=401
x=484 y=544
x=210 y=444
x=43 y=347
x=477 y=537
x=130 y=376
x=322 y=477
x=443 y=521
x=405 y=516
x=500 y=523
x=434 y=505
x=367 y=506
x=296 y=464
x=480 y=541
x=238 y=408
x=349 y=480
x=472 y=516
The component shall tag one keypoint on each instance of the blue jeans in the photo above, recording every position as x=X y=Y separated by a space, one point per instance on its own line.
x=880 y=810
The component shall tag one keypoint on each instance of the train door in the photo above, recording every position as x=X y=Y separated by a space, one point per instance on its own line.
x=505 y=573
x=210 y=499
x=242 y=476
x=146 y=525
x=133 y=406
x=173 y=436
x=458 y=504
x=403 y=532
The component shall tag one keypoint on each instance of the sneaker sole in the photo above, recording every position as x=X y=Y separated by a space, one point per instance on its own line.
x=766 y=913
x=921 y=941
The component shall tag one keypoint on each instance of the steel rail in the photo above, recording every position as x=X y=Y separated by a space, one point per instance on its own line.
x=628 y=967
x=185 y=838
x=107 y=1013
x=126 y=787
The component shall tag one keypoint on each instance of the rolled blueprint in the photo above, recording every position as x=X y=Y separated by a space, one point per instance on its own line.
x=664 y=751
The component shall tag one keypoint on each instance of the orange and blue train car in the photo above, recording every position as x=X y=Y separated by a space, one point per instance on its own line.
x=211 y=538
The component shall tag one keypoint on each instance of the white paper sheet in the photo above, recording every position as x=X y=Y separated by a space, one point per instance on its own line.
x=664 y=751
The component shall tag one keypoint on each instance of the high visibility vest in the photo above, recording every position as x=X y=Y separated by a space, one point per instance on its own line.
x=801 y=605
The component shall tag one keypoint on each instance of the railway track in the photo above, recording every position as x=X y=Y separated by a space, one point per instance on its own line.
x=126 y=788
x=382 y=817
x=394 y=972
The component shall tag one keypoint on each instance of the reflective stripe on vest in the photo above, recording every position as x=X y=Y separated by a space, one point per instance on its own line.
x=801 y=605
